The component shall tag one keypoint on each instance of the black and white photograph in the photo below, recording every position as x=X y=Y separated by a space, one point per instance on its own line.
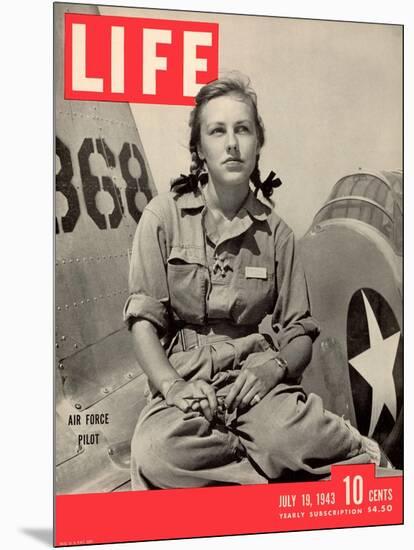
x=228 y=273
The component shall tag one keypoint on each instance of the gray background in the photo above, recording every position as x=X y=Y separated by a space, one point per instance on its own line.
x=330 y=95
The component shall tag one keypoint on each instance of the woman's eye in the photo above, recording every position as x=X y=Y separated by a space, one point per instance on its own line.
x=217 y=131
x=243 y=129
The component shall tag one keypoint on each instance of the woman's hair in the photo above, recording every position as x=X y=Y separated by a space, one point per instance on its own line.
x=230 y=85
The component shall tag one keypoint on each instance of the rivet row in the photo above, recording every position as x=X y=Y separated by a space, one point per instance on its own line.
x=90 y=259
x=97 y=118
x=95 y=299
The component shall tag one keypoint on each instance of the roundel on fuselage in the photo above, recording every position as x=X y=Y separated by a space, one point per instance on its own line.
x=374 y=347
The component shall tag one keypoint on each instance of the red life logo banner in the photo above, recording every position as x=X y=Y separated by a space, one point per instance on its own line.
x=353 y=497
x=138 y=60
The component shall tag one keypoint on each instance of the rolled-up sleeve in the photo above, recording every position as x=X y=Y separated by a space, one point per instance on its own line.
x=291 y=316
x=148 y=289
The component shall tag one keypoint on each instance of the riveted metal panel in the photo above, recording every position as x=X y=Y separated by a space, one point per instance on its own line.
x=103 y=182
x=92 y=308
x=91 y=471
x=98 y=370
x=100 y=144
x=66 y=441
x=80 y=464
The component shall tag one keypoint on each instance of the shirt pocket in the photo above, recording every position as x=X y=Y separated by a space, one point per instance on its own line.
x=256 y=291
x=187 y=283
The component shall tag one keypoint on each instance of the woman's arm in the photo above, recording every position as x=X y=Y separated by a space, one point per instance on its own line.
x=291 y=318
x=151 y=356
x=295 y=329
x=154 y=362
x=257 y=381
x=297 y=353
x=146 y=314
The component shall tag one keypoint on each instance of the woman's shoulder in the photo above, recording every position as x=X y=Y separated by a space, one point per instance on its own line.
x=162 y=204
x=264 y=211
x=279 y=227
x=172 y=201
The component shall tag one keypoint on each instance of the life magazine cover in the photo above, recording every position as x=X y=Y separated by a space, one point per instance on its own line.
x=228 y=274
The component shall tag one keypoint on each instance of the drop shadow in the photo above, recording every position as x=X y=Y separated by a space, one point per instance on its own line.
x=44 y=535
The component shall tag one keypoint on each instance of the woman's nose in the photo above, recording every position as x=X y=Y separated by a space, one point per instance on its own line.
x=232 y=147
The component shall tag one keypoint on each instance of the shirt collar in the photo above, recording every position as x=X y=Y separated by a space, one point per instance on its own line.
x=256 y=208
x=190 y=201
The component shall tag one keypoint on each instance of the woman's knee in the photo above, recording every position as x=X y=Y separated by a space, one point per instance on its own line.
x=153 y=450
x=165 y=450
x=300 y=430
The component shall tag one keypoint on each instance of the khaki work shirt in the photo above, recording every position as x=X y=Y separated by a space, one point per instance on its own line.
x=183 y=273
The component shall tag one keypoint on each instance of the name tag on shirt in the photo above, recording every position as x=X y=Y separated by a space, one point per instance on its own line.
x=255 y=272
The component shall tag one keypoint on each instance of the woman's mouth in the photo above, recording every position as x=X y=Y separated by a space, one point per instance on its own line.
x=233 y=161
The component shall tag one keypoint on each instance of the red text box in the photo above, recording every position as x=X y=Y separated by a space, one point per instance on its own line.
x=138 y=60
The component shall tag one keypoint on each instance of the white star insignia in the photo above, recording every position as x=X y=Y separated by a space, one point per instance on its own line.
x=376 y=365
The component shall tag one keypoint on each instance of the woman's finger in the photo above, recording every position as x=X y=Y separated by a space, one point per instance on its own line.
x=182 y=404
x=195 y=406
x=205 y=407
x=211 y=396
x=243 y=383
x=234 y=390
x=249 y=384
x=252 y=397
x=192 y=391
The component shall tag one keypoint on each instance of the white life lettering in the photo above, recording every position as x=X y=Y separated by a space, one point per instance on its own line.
x=151 y=62
x=192 y=63
x=80 y=82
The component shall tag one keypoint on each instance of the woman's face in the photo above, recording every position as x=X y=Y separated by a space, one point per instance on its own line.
x=228 y=140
